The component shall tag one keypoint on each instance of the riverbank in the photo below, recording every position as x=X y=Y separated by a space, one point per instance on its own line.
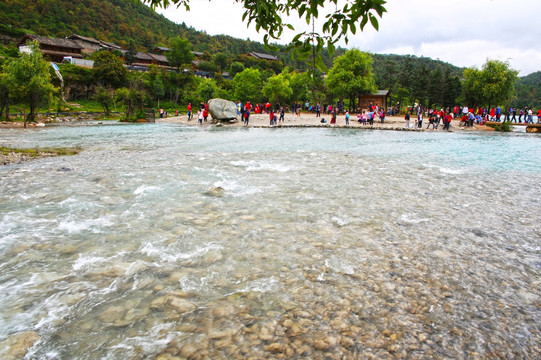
x=310 y=120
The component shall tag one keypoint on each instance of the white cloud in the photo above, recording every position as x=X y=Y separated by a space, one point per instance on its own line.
x=461 y=32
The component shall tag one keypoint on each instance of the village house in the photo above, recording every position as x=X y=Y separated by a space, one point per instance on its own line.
x=161 y=50
x=54 y=49
x=141 y=59
x=261 y=56
x=159 y=59
x=379 y=98
x=109 y=46
x=89 y=45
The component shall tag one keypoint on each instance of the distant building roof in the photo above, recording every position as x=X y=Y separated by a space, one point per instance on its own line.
x=42 y=40
x=261 y=56
x=197 y=53
x=87 y=39
x=109 y=45
x=162 y=49
x=160 y=58
x=382 y=93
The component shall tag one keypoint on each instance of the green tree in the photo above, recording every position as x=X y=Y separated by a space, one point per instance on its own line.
x=4 y=93
x=29 y=80
x=277 y=89
x=300 y=83
x=236 y=68
x=207 y=66
x=109 y=69
x=180 y=52
x=104 y=97
x=453 y=88
x=221 y=60
x=351 y=75
x=269 y=16
x=471 y=87
x=130 y=55
x=247 y=85
x=157 y=88
x=207 y=89
x=498 y=82
x=494 y=84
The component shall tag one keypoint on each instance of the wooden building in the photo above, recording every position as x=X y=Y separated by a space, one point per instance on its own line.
x=161 y=50
x=380 y=99
x=53 y=49
x=261 y=56
x=88 y=44
x=160 y=60
x=109 y=46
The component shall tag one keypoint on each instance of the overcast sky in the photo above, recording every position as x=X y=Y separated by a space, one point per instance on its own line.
x=461 y=32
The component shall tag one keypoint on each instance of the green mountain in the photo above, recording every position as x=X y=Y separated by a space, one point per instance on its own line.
x=529 y=91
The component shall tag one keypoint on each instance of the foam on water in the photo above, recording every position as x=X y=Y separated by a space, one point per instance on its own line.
x=262 y=166
x=88 y=261
x=93 y=225
x=172 y=255
x=236 y=188
x=267 y=285
x=411 y=219
x=144 y=189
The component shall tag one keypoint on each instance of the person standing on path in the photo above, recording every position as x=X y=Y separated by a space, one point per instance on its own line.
x=189 y=111
x=347 y=118
x=333 y=117
x=407 y=118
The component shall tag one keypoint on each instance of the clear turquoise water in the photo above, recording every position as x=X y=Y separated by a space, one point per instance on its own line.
x=352 y=236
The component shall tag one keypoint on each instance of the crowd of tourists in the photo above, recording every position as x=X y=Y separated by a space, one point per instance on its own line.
x=414 y=117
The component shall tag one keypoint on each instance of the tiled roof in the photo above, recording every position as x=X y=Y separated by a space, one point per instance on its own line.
x=263 y=56
x=64 y=43
x=87 y=39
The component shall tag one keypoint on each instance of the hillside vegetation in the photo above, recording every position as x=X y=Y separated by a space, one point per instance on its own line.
x=129 y=22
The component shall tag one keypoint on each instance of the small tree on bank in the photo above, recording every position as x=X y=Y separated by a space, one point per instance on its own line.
x=109 y=69
x=4 y=93
x=494 y=84
x=29 y=80
x=104 y=97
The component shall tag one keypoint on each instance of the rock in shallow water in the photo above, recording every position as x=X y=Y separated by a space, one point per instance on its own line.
x=16 y=346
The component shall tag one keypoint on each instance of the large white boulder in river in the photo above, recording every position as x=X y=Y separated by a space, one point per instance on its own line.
x=221 y=109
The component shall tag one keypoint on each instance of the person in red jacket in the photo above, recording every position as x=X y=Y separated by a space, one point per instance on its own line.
x=189 y=111
x=539 y=116
x=205 y=113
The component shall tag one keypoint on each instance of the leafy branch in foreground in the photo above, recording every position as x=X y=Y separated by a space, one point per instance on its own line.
x=267 y=15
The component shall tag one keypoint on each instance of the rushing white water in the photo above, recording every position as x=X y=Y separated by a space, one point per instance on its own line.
x=319 y=243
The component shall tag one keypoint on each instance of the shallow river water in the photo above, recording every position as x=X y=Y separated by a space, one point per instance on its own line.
x=163 y=241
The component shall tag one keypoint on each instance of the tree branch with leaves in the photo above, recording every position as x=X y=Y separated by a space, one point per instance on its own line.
x=269 y=16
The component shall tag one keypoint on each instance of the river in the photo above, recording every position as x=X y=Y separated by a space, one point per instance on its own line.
x=163 y=241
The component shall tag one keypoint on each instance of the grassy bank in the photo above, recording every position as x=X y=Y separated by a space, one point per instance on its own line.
x=10 y=155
